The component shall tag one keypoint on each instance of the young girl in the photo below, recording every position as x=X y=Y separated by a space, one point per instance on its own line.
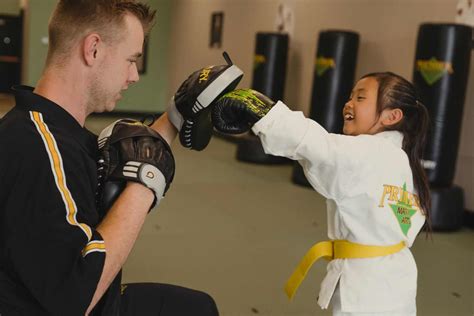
x=377 y=192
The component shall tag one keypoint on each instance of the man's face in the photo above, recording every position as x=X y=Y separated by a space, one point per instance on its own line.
x=118 y=67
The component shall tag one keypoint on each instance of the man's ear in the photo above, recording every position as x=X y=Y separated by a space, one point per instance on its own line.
x=90 y=49
x=391 y=117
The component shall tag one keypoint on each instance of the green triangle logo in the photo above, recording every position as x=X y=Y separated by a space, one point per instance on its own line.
x=403 y=211
x=322 y=64
x=433 y=69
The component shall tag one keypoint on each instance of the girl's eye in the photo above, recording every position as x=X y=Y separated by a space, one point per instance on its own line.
x=360 y=98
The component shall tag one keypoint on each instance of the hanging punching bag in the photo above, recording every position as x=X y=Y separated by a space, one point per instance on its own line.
x=440 y=74
x=269 y=73
x=333 y=80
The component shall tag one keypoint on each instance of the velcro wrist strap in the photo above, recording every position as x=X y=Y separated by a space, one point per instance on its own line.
x=148 y=175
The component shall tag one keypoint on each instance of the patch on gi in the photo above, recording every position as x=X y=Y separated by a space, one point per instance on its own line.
x=406 y=205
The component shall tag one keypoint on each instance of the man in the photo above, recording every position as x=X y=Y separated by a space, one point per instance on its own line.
x=58 y=255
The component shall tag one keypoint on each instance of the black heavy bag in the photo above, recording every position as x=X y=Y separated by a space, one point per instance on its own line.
x=447 y=208
x=269 y=73
x=333 y=80
x=440 y=74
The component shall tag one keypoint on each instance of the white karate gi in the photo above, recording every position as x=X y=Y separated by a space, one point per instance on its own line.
x=365 y=179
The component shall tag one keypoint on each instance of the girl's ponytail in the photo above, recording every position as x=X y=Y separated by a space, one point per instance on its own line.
x=414 y=142
x=395 y=92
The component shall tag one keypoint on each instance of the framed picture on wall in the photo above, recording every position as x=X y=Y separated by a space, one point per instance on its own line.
x=217 y=23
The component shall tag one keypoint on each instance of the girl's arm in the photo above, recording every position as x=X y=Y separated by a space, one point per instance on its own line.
x=331 y=162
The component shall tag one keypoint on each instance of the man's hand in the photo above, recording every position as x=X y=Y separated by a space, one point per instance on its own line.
x=237 y=111
x=131 y=151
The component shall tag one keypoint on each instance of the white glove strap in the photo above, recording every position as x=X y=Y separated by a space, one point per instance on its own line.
x=212 y=91
x=148 y=175
x=174 y=116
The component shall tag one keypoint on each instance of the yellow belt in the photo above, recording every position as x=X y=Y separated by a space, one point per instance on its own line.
x=335 y=249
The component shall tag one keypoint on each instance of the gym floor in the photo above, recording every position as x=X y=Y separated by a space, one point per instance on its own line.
x=237 y=230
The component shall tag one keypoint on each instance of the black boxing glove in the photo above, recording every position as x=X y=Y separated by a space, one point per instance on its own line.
x=237 y=111
x=131 y=151
x=190 y=108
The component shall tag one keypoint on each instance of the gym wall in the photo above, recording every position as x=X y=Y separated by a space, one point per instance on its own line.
x=388 y=30
x=10 y=7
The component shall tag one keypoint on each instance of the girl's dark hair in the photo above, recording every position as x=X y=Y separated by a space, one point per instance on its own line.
x=395 y=92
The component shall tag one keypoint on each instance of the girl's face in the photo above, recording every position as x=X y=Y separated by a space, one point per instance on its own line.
x=360 y=111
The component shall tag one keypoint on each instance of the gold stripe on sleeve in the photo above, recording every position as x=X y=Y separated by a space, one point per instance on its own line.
x=93 y=246
x=58 y=172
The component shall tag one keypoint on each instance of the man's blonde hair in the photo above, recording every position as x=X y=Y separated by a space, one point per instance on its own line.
x=73 y=19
